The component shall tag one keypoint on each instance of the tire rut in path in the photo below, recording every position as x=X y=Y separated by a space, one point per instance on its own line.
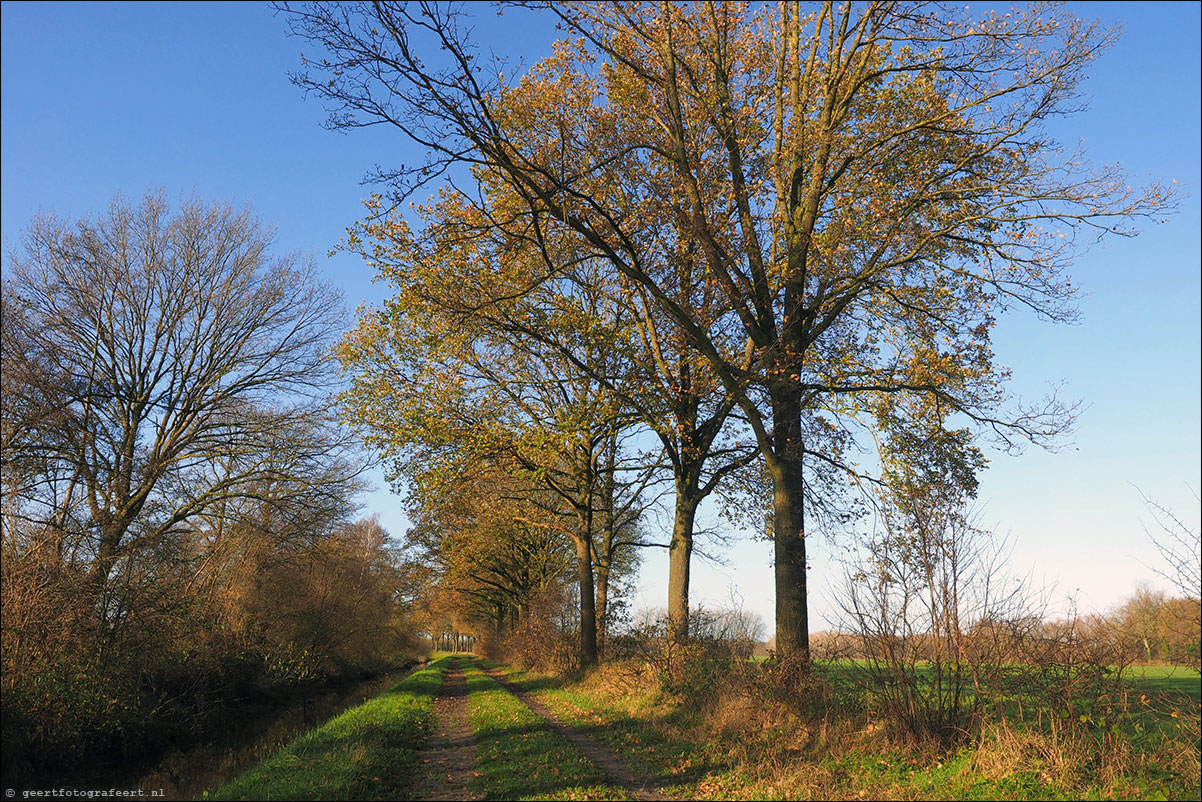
x=638 y=786
x=449 y=757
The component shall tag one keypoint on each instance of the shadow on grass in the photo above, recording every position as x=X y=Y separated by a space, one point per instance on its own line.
x=659 y=761
x=516 y=764
x=665 y=762
x=525 y=682
x=1178 y=680
x=529 y=684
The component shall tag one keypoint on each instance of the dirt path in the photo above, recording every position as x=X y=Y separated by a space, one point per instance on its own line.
x=638 y=786
x=449 y=757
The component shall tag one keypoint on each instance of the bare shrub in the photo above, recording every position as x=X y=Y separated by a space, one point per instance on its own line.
x=914 y=595
x=1092 y=751
x=547 y=637
x=1062 y=675
x=719 y=641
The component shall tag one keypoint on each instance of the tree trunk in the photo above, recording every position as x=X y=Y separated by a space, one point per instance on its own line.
x=106 y=555
x=788 y=530
x=588 y=602
x=605 y=555
x=680 y=554
x=602 y=603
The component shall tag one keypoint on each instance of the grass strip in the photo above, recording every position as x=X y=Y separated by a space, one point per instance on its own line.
x=632 y=729
x=367 y=752
x=519 y=754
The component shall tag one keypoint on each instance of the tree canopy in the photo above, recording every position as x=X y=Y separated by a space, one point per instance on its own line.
x=865 y=187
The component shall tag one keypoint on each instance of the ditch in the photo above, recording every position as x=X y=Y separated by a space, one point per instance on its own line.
x=251 y=735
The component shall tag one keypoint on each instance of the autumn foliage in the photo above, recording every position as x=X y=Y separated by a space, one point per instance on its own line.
x=828 y=209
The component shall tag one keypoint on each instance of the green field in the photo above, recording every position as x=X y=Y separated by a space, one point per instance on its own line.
x=1166 y=679
x=1143 y=678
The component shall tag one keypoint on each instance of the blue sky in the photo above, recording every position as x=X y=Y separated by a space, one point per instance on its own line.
x=194 y=97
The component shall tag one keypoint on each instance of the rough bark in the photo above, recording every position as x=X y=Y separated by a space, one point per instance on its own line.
x=588 y=608
x=680 y=552
x=788 y=529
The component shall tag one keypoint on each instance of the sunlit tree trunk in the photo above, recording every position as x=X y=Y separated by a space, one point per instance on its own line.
x=680 y=554
x=588 y=602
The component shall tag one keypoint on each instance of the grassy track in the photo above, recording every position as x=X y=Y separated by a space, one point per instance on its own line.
x=520 y=756
x=368 y=752
x=633 y=727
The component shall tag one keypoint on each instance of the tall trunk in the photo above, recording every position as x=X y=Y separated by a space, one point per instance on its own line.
x=680 y=553
x=605 y=555
x=602 y=603
x=106 y=557
x=788 y=530
x=588 y=602
x=107 y=554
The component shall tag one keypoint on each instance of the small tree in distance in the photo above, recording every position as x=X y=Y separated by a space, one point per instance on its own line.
x=1180 y=546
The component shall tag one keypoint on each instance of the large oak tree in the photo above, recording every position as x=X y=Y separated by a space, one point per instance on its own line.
x=868 y=185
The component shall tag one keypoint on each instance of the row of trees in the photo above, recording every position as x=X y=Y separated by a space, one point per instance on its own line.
x=178 y=510
x=770 y=242
x=1155 y=627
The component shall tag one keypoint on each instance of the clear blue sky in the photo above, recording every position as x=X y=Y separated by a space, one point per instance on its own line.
x=100 y=98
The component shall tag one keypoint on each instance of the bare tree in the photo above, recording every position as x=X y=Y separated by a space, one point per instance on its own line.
x=1180 y=546
x=156 y=365
x=919 y=597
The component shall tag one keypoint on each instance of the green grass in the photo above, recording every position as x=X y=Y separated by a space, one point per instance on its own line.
x=1166 y=679
x=520 y=756
x=684 y=769
x=1175 y=678
x=367 y=752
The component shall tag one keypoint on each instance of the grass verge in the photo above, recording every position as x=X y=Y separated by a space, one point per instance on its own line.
x=734 y=749
x=367 y=752
x=653 y=736
x=520 y=756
